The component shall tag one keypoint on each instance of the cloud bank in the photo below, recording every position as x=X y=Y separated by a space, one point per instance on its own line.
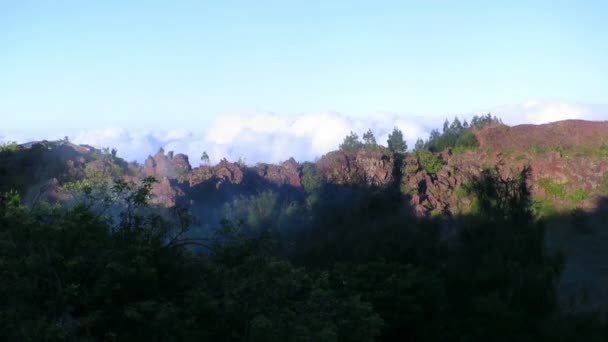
x=255 y=137
x=271 y=137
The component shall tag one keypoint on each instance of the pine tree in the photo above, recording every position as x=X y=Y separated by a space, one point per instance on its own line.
x=369 y=140
x=395 y=141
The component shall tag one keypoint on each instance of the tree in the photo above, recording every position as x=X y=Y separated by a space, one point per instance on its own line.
x=369 y=140
x=456 y=126
x=483 y=120
x=205 y=158
x=351 y=143
x=395 y=141
x=419 y=144
x=311 y=178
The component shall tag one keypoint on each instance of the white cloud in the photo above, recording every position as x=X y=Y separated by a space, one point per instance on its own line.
x=257 y=137
x=270 y=137
x=539 y=112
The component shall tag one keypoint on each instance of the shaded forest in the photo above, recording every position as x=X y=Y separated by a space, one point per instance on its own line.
x=366 y=269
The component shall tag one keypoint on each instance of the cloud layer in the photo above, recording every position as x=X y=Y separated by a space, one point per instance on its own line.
x=271 y=137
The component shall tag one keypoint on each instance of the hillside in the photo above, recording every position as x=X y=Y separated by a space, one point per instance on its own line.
x=568 y=160
x=496 y=233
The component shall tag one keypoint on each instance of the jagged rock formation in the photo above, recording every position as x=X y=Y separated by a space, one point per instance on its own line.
x=225 y=171
x=362 y=167
x=167 y=166
x=287 y=173
x=568 y=159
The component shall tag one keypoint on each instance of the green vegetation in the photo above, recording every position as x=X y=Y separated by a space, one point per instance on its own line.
x=578 y=151
x=10 y=146
x=255 y=211
x=351 y=143
x=557 y=190
x=456 y=136
x=544 y=208
x=462 y=191
x=331 y=262
x=536 y=149
x=429 y=161
x=205 y=158
x=604 y=184
x=579 y=195
x=311 y=178
x=354 y=267
x=479 y=121
x=396 y=142
x=587 y=152
x=369 y=140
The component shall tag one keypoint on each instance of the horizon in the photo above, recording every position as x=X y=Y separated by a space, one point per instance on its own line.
x=266 y=81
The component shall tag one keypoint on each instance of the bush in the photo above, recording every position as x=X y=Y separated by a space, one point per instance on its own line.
x=579 y=195
x=556 y=190
x=311 y=178
x=429 y=161
x=536 y=149
x=10 y=146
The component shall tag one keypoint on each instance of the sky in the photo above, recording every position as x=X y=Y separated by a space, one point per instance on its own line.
x=264 y=80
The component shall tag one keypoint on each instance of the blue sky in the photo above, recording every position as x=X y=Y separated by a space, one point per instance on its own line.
x=162 y=65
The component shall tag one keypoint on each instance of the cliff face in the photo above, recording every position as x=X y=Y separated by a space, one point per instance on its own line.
x=568 y=159
x=565 y=157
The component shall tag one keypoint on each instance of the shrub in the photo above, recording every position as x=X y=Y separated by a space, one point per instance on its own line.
x=10 y=146
x=554 y=189
x=579 y=195
x=536 y=149
x=429 y=161
x=311 y=178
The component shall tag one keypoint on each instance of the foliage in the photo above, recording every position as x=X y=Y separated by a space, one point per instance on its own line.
x=10 y=146
x=586 y=152
x=369 y=140
x=355 y=266
x=68 y=274
x=604 y=184
x=461 y=191
x=351 y=143
x=579 y=195
x=396 y=142
x=429 y=161
x=255 y=211
x=455 y=136
x=536 y=149
x=205 y=158
x=311 y=178
x=484 y=120
x=544 y=208
x=557 y=190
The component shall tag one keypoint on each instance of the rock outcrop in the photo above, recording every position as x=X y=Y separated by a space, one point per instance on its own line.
x=287 y=173
x=167 y=166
